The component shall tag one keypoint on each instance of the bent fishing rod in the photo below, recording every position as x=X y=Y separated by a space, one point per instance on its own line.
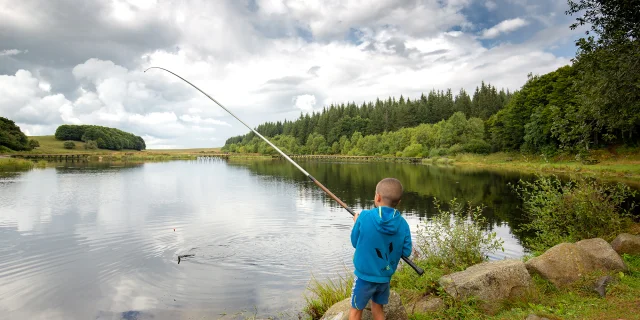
x=333 y=196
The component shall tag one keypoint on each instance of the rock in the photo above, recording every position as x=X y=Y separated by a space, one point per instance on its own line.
x=626 y=243
x=394 y=310
x=425 y=305
x=601 y=285
x=562 y=264
x=602 y=254
x=488 y=281
x=535 y=317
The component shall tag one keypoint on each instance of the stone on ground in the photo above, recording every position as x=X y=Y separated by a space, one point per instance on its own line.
x=535 y=317
x=425 y=304
x=602 y=254
x=488 y=281
x=394 y=310
x=626 y=243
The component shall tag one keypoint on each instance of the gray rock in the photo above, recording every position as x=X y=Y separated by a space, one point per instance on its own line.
x=563 y=264
x=626 y=243
x=394 y=310
x=602 y=254
x=425 y=305
x=488 y=281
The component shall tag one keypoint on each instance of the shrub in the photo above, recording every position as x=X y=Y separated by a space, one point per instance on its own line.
x=91 y=145
x=326 y=294
x=437 y=152
x=477 y=146
x=413 y=150
x=455 y=238
x=455 y=149
x=572 y=211
x=69 y=145
x=33 y=143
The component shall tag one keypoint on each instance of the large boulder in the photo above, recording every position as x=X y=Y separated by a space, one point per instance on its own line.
x=626 y=243
x=566 y=263
x=602 y=254
x=563 y=264
x=488 y=281
x=394 y=310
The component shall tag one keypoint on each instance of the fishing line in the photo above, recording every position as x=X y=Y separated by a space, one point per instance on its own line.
x=320 y=185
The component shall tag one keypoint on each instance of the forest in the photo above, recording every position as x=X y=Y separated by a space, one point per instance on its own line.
x=104 y=137
x=592 y=103
x=12 y=138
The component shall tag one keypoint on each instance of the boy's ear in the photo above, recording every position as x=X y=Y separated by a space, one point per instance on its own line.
x=378 y=197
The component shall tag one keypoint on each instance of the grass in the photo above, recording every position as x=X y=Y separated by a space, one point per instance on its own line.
x=327 y=293
x=621 y=163
x=10 y=165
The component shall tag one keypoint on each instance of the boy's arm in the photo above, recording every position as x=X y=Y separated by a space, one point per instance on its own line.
x=407 y=246
x=355 y=232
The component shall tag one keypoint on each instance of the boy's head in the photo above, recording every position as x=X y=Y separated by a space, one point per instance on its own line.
x=388 y=192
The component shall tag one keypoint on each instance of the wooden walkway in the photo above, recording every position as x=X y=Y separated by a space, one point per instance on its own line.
x=60 y=157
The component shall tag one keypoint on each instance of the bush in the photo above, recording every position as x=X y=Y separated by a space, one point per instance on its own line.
x=34 y=143
x=91 y=145
x=573 y=211
x=413 y=150
x=455 y=238
x=437 y=152
x=477 y=146
x=455 y=149
x=11 y=136
x=69 y=145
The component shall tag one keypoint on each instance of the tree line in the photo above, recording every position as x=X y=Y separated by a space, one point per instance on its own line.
x=103 y=137
x=12 y=138
x=592 y=103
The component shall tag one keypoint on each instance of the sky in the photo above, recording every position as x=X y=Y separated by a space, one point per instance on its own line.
x=70 y=62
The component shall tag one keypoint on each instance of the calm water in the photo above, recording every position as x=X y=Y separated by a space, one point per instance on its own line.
x=97 y=241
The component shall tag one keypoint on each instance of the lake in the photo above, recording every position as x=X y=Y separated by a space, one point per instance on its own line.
x=101 y=241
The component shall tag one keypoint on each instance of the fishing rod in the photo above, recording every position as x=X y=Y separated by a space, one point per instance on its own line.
x=333 y=196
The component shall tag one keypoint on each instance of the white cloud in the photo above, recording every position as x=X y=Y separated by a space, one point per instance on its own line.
x=490 y=5
x=11 y=52
x=305 y=102
x=505 y=26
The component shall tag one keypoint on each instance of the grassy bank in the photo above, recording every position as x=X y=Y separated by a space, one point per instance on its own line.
x=567 y=214
x=11 y=165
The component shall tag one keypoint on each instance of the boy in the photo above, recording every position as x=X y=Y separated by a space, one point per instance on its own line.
x=380 y=236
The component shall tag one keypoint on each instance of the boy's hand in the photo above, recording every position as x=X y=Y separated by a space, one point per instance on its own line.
x=355 y=217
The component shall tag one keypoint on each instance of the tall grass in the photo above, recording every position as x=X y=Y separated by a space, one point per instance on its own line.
x=327 y=293
x=10 y=164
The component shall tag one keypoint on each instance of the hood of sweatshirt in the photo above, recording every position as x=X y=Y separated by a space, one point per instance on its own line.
x=386 y=219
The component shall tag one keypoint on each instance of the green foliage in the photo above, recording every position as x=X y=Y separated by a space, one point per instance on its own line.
x=327 y=293
x=69 y=145
x=91 y=145
x=10 y=164
x=105 y=138
x=413 y=150
x=572 y=211
x=33 y=143
x=455 y=238
x=12 y=137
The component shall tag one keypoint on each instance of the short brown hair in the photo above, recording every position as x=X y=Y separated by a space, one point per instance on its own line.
x=390 y=189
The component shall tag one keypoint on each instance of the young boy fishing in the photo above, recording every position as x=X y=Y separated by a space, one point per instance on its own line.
x=381 y=237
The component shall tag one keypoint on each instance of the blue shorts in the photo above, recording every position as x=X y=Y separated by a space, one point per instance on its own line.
x=363 y=291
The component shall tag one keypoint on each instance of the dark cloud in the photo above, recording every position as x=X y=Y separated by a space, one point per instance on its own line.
x=67 y=32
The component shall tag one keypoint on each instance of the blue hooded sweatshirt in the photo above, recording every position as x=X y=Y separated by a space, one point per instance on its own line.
x=381 y=237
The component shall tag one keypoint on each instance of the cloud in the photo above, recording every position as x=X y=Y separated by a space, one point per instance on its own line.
x=305 y=102
x=11 y=52
x=505 y=26
x=490 y=5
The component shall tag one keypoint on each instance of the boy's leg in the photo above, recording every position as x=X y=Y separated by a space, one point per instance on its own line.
x=377 y=311
x=361 y=293
x=379 y=299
